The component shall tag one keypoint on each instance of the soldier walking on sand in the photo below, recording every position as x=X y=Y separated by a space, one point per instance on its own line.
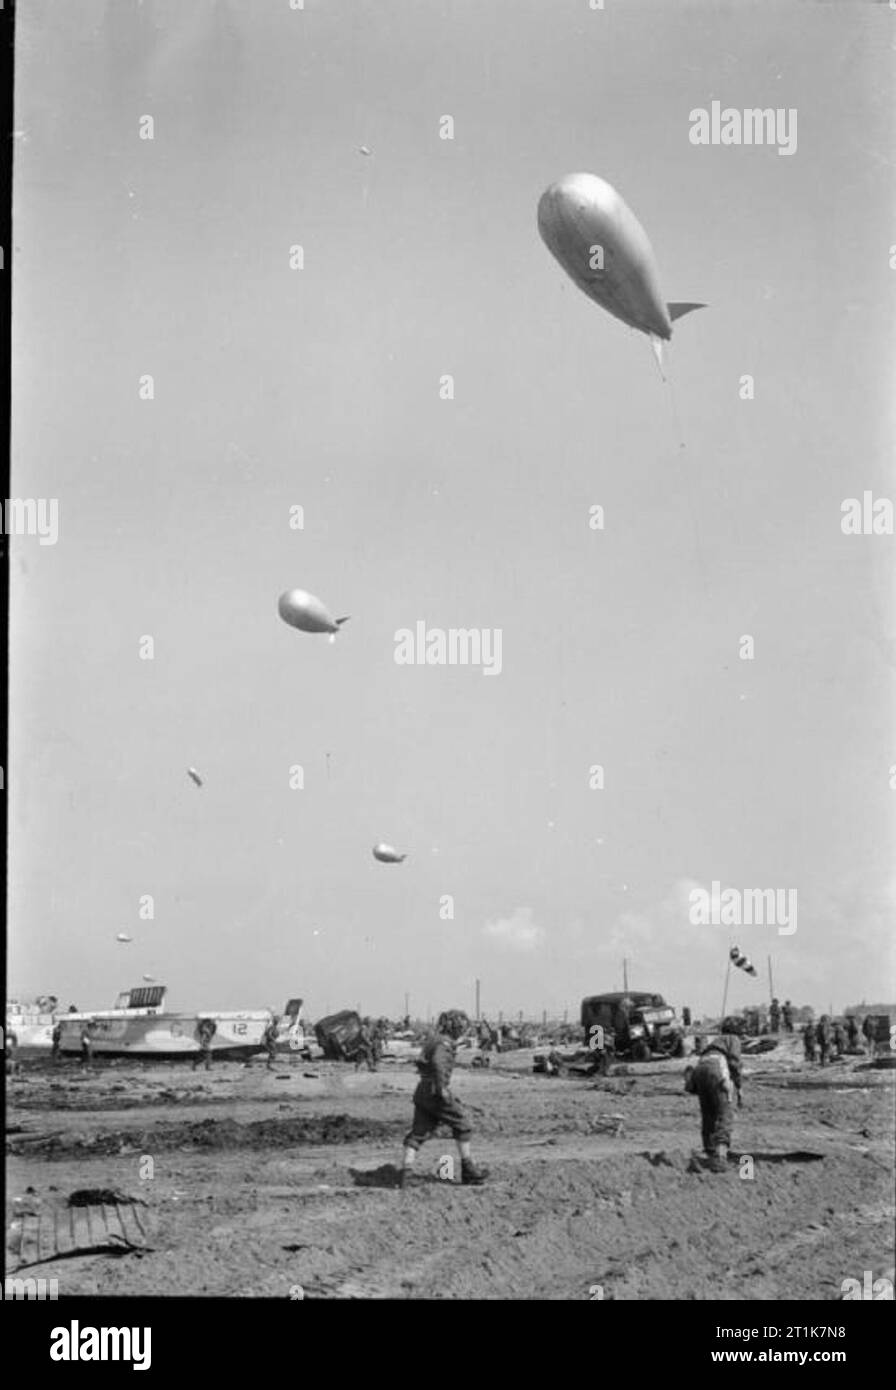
x=86 y=1045
x=269 y=1040
x=852 y=1032
x=774 y=1016
x=366 y=1047
x=715 y=1080
x=205 y=1032
x=434 y=1104
x=868 y=1034
x=56 y=1039
x=823 y=1038
x=787 y=1015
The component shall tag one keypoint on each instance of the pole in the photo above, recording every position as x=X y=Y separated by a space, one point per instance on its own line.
x=625 y=976
x=407 y=1011
x=771 y=983
x=725 y=994
x=478 y=1014
x=544 y=1018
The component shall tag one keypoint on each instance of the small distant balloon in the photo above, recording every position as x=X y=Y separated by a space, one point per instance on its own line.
x=122 y=936
x=150 y=979
x=386 y=854
x=302 y=610
x=362 y=149
x=194 y=776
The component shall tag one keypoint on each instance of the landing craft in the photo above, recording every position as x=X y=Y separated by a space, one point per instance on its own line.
x=604 y=250
x=307 y=613
x=387 y=855
x=140 y=1024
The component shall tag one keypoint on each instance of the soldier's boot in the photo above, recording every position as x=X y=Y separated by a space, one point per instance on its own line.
x=408 y=1177
x=470 y=1175
x=718 y=1163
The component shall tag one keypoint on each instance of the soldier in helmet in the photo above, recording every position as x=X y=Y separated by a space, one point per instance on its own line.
x=823 y=1038
x=269 y=1041
x=787 y=1016
x=809 y=1041
x=839 y=1039
x=367 y=1050
x=434 y=1104
x=774 y=1016
x=11 y=1042
x=715 y=1080
x=852 y=1032
x=205 y=1032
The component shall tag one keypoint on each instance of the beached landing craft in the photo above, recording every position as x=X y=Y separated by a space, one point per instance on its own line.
x=140 y=1026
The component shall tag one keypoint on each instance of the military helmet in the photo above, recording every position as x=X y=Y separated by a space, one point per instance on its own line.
x=454 y=1022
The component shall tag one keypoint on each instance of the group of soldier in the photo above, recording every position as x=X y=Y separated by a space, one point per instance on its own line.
x=826 y=1041
x=780 y=1016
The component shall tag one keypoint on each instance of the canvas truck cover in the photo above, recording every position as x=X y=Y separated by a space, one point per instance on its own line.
x=337 y=1034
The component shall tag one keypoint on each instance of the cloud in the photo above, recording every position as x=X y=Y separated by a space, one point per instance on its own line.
x=518 y=931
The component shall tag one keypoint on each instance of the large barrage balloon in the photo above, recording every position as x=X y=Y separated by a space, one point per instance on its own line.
x=387 y=855
x=603 y=248
x=307 y=613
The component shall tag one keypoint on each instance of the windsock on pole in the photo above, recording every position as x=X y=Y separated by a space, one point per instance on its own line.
x=741 y=961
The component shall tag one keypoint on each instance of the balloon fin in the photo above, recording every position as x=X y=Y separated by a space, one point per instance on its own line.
x=340 y=621
x=677 y=311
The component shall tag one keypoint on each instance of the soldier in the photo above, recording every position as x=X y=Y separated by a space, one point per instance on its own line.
x=868 y=1034
x=809 y=1041
x=774 y=1016
x=787 y=1015
x=56 y=1037
x=714 y=1080
x=269 y=1040
x=852 y=1032
x=434 y=1104
x=839 y=1039
x=205 y=1032
x=86 y=1045
x=11 y=1047
x=823 y=1038
x=485 y=1036
x=366 y=1047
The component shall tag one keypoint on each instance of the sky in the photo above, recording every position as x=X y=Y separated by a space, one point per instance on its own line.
x=319 y=388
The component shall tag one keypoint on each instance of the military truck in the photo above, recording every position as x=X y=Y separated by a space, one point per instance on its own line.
x=633 y=1025
x=339 y=1035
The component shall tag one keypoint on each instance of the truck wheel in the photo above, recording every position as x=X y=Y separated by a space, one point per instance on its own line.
x=677 y=1048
